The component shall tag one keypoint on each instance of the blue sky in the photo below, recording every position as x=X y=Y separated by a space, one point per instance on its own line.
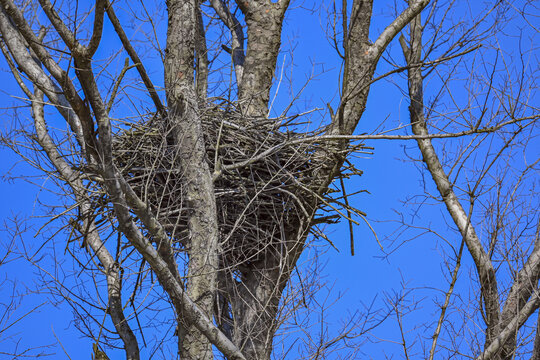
x=390 y=180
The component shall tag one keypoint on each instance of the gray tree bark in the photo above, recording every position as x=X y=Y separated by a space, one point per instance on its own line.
x=522 y=300
x=264 y=21
x=183 y=117
x=256 y=298
x=98 y=152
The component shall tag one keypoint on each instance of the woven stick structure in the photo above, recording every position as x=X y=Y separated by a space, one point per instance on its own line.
x=262 y=171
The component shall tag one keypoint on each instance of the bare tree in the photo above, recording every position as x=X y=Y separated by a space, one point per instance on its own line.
x=189 y=180
x=489 y=194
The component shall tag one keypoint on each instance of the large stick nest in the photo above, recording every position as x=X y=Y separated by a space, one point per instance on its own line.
x=263 y=176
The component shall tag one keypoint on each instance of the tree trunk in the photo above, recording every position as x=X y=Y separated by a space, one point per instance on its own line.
x=185 y=122
x=536 y=348
x=264 y=20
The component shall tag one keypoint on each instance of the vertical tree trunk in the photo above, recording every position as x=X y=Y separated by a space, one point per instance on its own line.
x=536 y=348
x=522 y=289
x=196 y=177
x=264 y=20
x=256 y=299
x=255 y=305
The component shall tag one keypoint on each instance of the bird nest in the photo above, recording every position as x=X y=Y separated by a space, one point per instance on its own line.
x=263 y=174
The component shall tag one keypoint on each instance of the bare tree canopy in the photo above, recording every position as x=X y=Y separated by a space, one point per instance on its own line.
x=186 y=191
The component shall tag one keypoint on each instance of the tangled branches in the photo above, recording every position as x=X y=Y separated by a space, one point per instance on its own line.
x=263 y=172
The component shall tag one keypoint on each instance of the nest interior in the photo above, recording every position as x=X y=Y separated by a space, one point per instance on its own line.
x=262 y=172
